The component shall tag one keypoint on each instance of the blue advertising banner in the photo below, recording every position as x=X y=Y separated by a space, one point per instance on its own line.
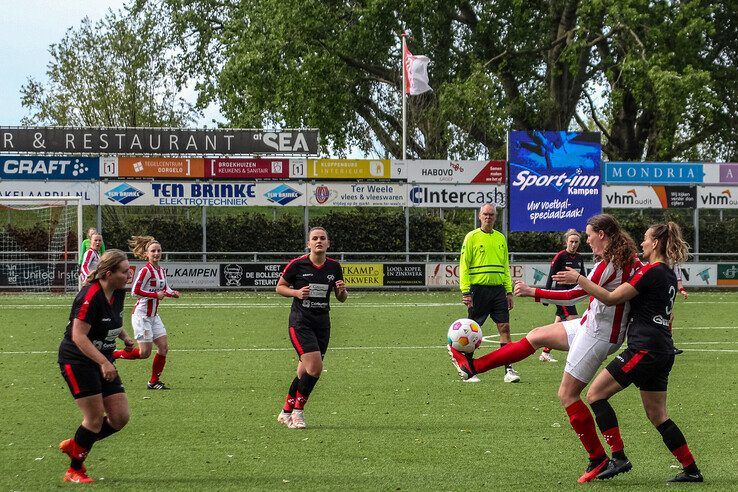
x=49 y=167
x=554 y=179
x=654 y=172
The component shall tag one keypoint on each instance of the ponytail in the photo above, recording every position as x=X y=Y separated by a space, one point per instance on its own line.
x=671 y=243
x=139 y=245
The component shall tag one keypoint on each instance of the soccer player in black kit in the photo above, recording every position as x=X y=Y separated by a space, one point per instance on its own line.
x=310 y=279
x=566 y=258
x=650 y=354
x=86 y=360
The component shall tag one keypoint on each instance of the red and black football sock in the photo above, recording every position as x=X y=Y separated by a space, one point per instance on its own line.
x=84 y=438
x=509 y=353
x=607 y=422
x=106 y=430
x=157 y=367
x=677 y=444
x=583 y=424
x=304 y=387
x=127 y=354
x=289 y=400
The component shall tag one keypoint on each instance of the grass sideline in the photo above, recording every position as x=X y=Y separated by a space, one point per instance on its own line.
x=388 y=413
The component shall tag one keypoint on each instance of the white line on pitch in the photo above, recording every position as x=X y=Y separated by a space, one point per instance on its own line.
x=290 y=349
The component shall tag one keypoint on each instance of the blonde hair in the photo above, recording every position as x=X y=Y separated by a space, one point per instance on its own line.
x=108 y=263
x=140 y=245
x=672 y=245
x=571 y=232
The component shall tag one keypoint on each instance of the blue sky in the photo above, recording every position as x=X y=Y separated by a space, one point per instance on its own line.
x=27 y=28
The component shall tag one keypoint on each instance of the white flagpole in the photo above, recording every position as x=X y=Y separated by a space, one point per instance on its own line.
x=404 y=103
x=404 y=146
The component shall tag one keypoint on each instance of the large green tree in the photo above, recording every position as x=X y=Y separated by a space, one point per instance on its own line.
x=656 y=77
x=120 y=71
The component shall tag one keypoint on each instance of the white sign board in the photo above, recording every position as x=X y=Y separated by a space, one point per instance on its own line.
x=214 y=194
x=455 y=196
x=90 y=192
x=363 y=194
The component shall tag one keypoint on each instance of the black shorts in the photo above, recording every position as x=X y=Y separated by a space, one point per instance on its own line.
x=312 y=337
x=564 y=312
x=649 y=371
x=489 y=300
x=86 y=380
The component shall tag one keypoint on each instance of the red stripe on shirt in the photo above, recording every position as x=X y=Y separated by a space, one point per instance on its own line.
x=94 y=288
x=620 y=308
x=291 y=262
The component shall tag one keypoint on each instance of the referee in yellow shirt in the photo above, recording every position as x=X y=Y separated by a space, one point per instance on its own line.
x=484 y=278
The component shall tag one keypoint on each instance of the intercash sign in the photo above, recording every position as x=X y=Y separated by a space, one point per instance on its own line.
x=458 y=196
x=45 y=167
x=654 y=172
x=157 y=141
x=203 y=194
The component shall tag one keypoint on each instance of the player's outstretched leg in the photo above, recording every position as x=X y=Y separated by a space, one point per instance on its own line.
x=509 y=353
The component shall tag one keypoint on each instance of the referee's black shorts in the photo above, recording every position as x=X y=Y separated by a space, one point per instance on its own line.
x=489 y=300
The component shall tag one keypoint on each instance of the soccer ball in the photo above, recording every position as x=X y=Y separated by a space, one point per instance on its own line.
x=465 y=335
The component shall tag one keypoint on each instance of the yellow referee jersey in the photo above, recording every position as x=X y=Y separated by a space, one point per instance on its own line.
x=484 y=260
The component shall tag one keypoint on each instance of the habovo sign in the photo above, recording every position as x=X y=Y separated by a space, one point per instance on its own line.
x=554 y=179
x=649 y=197
x=212 y=194
x=49 y=167
x=466 y=172
x=455 y=196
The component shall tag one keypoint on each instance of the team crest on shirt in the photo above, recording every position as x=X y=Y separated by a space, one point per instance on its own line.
x=331 y=278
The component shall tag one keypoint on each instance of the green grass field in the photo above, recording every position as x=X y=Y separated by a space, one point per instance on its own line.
x=389 y=412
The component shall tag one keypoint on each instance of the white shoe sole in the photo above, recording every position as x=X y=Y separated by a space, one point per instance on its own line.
x=473 y=379
x=511 y=378
x=462 y=374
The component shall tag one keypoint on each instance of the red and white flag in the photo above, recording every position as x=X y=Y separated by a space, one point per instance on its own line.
x=416 y=73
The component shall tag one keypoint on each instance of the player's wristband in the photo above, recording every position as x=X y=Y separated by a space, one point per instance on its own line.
x=466 y=293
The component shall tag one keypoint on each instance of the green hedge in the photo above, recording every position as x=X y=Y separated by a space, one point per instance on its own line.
x=363 y=229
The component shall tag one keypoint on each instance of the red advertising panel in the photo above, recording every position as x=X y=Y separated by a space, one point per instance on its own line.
x=247 y=168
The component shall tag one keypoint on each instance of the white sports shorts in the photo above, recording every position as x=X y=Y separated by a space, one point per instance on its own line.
x=586 y=353
x=147 y=328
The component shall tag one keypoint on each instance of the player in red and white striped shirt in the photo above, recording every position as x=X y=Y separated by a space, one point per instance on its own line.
x=588 y=340
x=150 y=287
x=91 y=257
